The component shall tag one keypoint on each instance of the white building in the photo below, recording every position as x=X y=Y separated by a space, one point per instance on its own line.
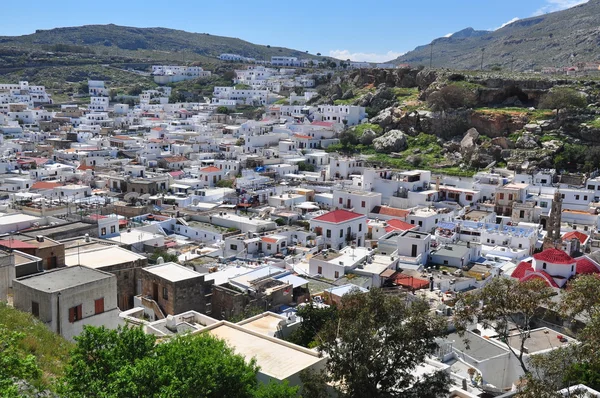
x=339 y=228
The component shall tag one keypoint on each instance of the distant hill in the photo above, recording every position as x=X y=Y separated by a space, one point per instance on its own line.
x=557 y=39
x=108 y=37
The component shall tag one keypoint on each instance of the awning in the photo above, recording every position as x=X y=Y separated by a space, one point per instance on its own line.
x=387 y=273
x=294 y=280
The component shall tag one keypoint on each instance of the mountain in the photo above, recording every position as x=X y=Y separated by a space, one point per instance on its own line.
x=556 y=39
x=107 y=37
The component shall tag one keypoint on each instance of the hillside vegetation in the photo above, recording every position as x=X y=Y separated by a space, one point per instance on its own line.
x=111 y=38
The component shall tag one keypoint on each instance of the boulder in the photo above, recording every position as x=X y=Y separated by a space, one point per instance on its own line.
x=368 y=137
x=384 y=118
x=469 y=141
x=527 y=141
x=503 y=142
x=348 y=94
x=392 y=141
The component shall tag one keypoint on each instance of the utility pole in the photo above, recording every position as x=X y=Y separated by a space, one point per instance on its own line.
x=431 y=55
x=482 y=52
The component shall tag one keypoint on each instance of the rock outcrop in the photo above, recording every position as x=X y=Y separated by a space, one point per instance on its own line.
x=392 y=141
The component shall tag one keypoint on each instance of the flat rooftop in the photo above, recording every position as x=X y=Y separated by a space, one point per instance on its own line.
x=63 y=278
x=172 y=272
x=479 y=347
x=455 y=251
x=265 y=324
x=100 y=257
x=279 y=360
x=17 y=218
x=539 y=340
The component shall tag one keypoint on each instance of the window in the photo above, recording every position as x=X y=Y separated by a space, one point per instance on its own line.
x=510 y=196
x=412 y=222
x=576 y=197
x=233 y=247
x=99 y=306
x=500 y=196
x=543 y=205
x=359 y=227
x=445 y=262
x=520 y=245
x=591 y=187
x=112 y=229
x=75 y=313
x=585 y=197
x=103 y=231
x=572 y=268
x=362 y=204
x=544 y=266
x=268 y=246
x=319 y=270
x=328 y=233
x=337 y=274
x=165 y=293
x=469 y=197
x=35 y=309
x=420 y=223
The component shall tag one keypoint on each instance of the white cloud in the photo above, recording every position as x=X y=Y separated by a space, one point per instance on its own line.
x=515 y=19
x=448 y=34
x=557 y=5
x=364 y=57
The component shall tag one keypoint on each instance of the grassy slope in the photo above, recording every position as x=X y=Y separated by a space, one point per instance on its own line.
x=51 y=350
x=114 y=38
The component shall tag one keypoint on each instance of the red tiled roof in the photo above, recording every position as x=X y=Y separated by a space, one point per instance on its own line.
x=16 y=244
x=122 y=137
x=409 y=281
x=173 y=159
x=521 y=270
x=584 y=265
x=307 y=137
x=176 y=173
x=268 y=240
x=46 y=185
x=210 y=169
x=85 y=167
x=322 y=124
x=577 y=235
x=391 y=211
x=97 y=217
x=543 y=275
x=554 y=256
x=398 y=225
x=338 y=216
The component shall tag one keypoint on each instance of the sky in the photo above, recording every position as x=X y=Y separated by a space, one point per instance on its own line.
x=375 y=30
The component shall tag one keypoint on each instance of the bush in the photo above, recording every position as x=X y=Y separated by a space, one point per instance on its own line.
x=302 y=166
x=223 y=110
x=563 y=98
x=452 y=96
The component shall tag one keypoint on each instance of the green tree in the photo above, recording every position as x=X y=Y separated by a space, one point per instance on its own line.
x=375 y=345
x=223 y=109
x=15 y=364
x=561 y=98
x=452 y=96
x=314 y=319
x=303 y=166
x=506 y=303
x=99 y=355
x=127 y=363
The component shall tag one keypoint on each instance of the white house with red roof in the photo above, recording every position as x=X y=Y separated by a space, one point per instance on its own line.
x=211 y=175
x=339 y=228
x=555 y=267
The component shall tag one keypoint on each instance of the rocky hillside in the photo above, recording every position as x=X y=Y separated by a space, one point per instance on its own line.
x=110 y=37
x=505 y=122
x=557 y=39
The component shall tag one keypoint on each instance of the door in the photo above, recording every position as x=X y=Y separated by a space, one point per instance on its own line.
x=35 y=309
x=155 y=292
x=414 y=251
